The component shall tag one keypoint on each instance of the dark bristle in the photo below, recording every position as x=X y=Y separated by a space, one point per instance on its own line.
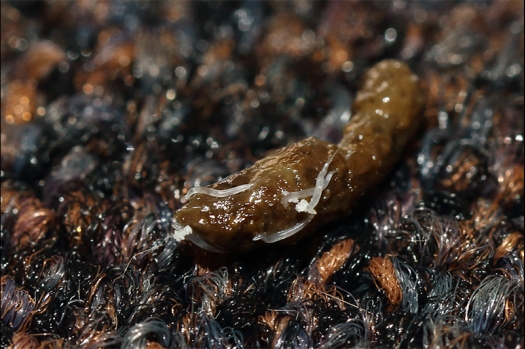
x=112 y=111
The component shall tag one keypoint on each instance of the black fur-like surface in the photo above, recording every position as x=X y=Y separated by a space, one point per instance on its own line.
x=144 y=100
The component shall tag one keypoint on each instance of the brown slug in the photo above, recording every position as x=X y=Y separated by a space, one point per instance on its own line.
x=294 y=190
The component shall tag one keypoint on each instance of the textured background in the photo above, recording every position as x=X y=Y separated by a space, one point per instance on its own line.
x=112 y=110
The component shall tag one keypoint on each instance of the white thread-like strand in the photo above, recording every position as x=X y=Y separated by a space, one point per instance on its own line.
x=218 y=192
x=283 y=234
x=202 y=244
x=321 y=182
x=182 y=232
x=310 y=206
x=296 y=195
x=305 y=193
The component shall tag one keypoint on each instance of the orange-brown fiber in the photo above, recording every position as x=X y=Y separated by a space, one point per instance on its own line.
x=334 y=258
x=385 y=117
x=511 y=242
x=276 y=323
x=33 y=220
x=383 y=272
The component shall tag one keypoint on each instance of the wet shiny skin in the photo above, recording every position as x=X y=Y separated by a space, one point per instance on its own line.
x=385 y=117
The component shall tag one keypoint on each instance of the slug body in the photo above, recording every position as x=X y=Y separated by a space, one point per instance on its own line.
x=294 y=190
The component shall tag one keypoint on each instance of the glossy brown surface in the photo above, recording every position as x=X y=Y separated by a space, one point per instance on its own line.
x=232 y=222
x=385 y=118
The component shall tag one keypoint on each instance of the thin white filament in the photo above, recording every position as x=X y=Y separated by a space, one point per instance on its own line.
x=217 y=192
x=317 y=195
x=321 y=182
x=182 y=232
x=296 y=195
x=285 y=233
x=202 y=244
x=305 y=193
